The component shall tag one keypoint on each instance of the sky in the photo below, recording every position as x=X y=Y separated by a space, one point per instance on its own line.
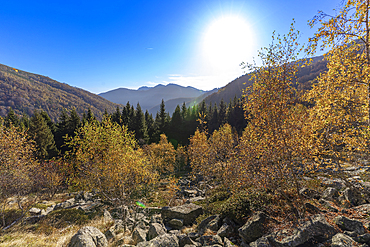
x=103 y=45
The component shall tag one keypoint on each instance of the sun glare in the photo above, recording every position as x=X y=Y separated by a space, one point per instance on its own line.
x=227 y=42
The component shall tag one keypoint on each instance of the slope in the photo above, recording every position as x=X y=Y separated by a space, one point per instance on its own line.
x=26 y=92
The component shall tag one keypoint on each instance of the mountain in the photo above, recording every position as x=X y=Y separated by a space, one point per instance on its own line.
x=26 y=92
x=305 y=77
x=151 y=97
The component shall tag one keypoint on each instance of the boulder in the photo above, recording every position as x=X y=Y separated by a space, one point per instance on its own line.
x=66 y=204
x=365 y=238
x=330 y=194
x=209 y=240
x=155 y=230
x=315 y=230
x=225 y=230
x=187 y=212
x=186 y=240
x=165 y=240
x=110 y=233
x=254 y=228
x=210 y=222
x=139 y=235
x=353 y=196
x=88 y=236
x=347 y=224
x=342 y=240
x=35 y=211
x=261 y=242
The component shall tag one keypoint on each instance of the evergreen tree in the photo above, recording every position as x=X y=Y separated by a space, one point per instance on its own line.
x=176 y=125
x=213 y=124
x=116 y=116
x=139 y=125
x=24 y=122
x=222 y=114
x=149 y=121
x=125 y=114
x=44 y=138
x=11 y=119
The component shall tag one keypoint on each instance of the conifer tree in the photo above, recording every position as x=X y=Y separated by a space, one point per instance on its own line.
x=141 y=133
x=116 y=116
x=44 y=138
x=11 y=119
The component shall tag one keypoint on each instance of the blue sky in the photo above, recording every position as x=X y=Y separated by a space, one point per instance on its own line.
x=103 y=45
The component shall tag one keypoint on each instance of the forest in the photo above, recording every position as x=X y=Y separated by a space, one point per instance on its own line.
x=255 y=152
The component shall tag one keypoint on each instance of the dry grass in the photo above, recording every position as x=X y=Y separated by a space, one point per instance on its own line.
x=48 y=231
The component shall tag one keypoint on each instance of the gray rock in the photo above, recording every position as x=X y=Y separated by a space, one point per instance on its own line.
x=342 y=240
x=187 y=212
x=315 y=230
x=88 y=236
x=347 y=224
x=66 y=204
x=155 y=229
x=228 y=243
x=176 y=223
x=35 y=211
x=365 y=238
x=165 y=240
x=353 y=196
x=225 y=230
x=330 y=194
x=209 y=240
x=254 y=228
x=110 y=234
x=139 y=235
x=186 y=240
x=261 y=242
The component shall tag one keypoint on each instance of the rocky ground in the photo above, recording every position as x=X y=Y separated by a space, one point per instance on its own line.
x=336 y=216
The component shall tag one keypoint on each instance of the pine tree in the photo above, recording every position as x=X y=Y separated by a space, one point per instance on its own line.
x=11 y=119
x=44 y=138
x=139 y=125
x=116 y=116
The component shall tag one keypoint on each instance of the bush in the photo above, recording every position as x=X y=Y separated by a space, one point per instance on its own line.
x=242 y=204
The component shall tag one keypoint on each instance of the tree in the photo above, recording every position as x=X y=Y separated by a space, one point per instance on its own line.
x=162 y=156
x=11 y=118
x=140 y=126
x=17 y=165
x=44 y=138
x=105 y=157
x=340 y=114
x=351 y=26
x=272 y=146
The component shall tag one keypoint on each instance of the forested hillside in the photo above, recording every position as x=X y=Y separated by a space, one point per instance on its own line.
x=26 y=92
x=305 y=77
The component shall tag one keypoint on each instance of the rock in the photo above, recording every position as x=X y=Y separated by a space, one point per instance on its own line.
x=83 y=196
x=334 y=183
x=209 y=240
x=261 y=242
x=66 y=204
x=353 y=196
x=155 y=230
x=139 y=235
x=48 y=210
x=347 y=224
x=254 y=228
x=225 y=230
x=330 y=194
x=88 y=236
x=165 y=240
x=186 y=240
x=110 y=234
x=328 y=205
x=187 y=212
x=365 y=238
x=210 y=222
x=341 y=240
x=228 y=243
x=35 y=211
x=315 y=230
x=176 y=223
x=193 y=235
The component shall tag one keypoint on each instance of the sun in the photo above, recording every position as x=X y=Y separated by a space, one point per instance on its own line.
x=227 y=42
